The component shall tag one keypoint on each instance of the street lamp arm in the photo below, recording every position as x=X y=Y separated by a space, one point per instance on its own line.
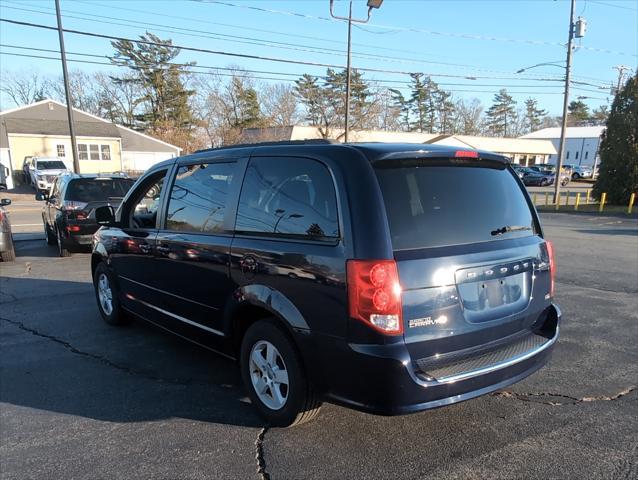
x=552 y=64
x=355 y=20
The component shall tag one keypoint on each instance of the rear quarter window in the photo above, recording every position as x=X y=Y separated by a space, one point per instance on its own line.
x=434 y=206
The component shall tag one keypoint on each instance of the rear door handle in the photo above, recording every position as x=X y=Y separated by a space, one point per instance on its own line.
x=163 y=249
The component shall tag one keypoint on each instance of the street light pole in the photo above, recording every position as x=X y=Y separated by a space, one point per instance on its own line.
x=347 y=113
x=371 y=4
x=563 y=130
x=67 y=90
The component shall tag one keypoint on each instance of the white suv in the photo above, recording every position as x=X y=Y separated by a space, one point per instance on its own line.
x=43 y=172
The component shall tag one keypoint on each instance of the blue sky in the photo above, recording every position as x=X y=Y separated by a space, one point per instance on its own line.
x=449 y=39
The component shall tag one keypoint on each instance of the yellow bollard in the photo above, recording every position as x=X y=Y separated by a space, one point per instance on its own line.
x=587 y=197
x=546 y=198
x=534 y=199
x=603 y=198
x=567 y=194
x=577 y=201
x=557 y=204
x=631 y=203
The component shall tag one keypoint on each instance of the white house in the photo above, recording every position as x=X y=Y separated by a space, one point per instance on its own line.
x=581 y=145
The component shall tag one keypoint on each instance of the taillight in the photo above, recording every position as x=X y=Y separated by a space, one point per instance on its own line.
x=552 y=266
x=374 y=294
x=73 y=228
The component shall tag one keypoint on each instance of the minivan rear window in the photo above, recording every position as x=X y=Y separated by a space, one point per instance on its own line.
x=434 y=206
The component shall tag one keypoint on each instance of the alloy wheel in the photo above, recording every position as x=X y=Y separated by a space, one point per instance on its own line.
x=105 y=294
x=269 y=375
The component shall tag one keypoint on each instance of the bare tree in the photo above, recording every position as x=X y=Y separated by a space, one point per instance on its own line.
x=83 y=91
x=23 y=87
x=117 y=101
x=469 y=117
x=279 y=105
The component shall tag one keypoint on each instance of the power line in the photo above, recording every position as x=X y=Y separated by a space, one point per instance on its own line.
x=321 y=39
x=258 y=57
x=613 y=5
x=418 y=30
x=261 y=42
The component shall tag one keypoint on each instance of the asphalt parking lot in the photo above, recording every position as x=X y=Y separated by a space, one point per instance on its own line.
x=80 y=399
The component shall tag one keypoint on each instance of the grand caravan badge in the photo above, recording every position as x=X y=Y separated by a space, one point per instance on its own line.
x=427 y=321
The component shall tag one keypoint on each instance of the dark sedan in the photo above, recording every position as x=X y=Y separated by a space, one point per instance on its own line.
x=533 y=178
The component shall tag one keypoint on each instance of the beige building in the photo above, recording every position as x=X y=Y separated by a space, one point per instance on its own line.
x=42 y=130
x=519 y=150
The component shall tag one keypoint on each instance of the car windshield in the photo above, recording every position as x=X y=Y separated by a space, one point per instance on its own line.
x=97 y=189
x=50 y=165
x=433 y=206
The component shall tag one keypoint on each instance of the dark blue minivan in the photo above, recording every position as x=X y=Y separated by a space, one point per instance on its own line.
x=389 y=278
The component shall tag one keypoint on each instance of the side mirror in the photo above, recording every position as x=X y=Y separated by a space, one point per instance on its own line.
x=40 y=196
x=5 y=202
x=105 y=216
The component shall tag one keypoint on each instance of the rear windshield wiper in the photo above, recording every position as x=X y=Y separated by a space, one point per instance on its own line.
x=509 y=228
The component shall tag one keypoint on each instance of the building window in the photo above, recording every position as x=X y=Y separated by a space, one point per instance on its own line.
x=83 y=151
x=576 y=155
x=60 y=149
x=94 y=150
x=586 y=155
x=567 y=155
x=106 y=152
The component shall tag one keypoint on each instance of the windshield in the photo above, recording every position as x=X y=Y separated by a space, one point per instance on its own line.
x=97 y=189
x=50 y=165
x=433 y=206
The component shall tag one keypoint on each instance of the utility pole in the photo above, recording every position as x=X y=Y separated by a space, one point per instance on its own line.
x=621 y=75
x=67 y=90
x=371 y=4
x=563 y=130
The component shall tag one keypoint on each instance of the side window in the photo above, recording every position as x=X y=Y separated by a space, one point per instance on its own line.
x=288 y=196
x=141 y=210
x=55 y=189
x=198 y=197
x=83 y=152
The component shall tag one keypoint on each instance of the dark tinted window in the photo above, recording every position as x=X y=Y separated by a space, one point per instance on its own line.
x=198 y=197
x=433 y=206
x=97 y=189
x=50 y=165
x=288 y=196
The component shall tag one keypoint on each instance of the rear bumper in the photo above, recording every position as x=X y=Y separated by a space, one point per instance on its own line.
x=79 y=240
x=384 y=380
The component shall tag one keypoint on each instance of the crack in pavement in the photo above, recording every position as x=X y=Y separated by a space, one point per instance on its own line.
x=259 y=455
x=538 y=397
x=93 y=356
x=590 y=287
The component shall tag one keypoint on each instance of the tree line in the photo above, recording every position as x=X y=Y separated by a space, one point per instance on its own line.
x=157 y=95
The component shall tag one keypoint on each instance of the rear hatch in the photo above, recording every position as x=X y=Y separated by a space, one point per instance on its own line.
x=472 y=262
x=84 y=195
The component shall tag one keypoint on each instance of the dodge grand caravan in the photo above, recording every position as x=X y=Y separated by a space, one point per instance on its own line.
x=388 y=278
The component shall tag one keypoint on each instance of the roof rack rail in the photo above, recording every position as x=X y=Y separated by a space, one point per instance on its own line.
x=314 y=141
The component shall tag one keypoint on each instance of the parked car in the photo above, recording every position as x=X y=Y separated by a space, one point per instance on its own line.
x=519 y=170
x=68 y=216
x=579 y=171
x=534 y=178
x=4 y=176
x=426 y=279
x=7 y=250
x=44 y=171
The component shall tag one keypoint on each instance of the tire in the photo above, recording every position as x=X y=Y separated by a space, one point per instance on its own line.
x=62 y=251
x=106 y=295
x=300 y=404
x=575 y=176
x=9 y=255
x=48 y=235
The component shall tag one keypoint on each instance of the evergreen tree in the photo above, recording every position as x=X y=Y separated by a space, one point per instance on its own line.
x=421 y=103
x=403 y=107
x=502 y=114
x=619 y=147
x=533 y=115
x=309 y=92
x=578 y=112
x=165 y=98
